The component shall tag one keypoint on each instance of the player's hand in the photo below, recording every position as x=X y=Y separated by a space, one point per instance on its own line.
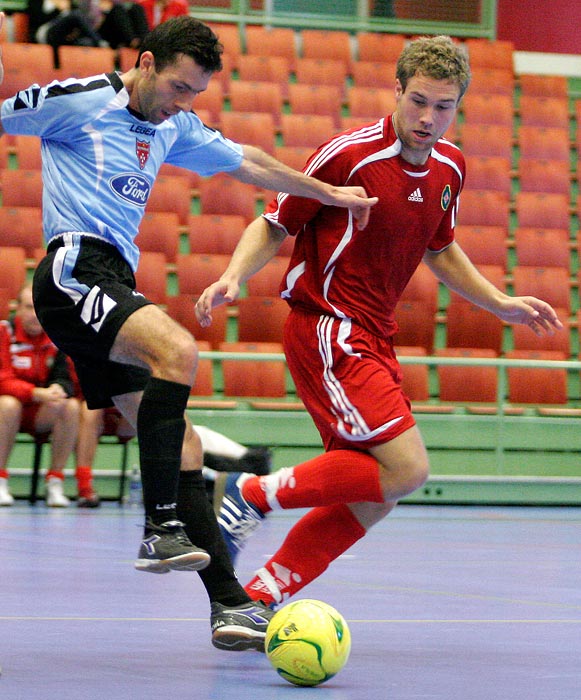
x=53 y=394
x=539 y=316
x=356 y=200
x=220 y=292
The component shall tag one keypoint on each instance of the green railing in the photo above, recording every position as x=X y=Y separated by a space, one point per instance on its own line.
x=349 y=15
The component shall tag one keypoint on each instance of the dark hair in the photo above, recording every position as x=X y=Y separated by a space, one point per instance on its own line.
x=183 y=35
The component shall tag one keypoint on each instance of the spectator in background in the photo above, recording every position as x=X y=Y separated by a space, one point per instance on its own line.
x=221 y=454
x=35 y=396
x=58 y=23
x=158 y=11
x=123 y=24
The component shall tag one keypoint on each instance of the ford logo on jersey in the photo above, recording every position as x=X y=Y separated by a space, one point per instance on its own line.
x=132 y=187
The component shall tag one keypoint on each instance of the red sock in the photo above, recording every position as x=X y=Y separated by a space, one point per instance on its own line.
x=305 y=554
x=84 y=476
x=339 y=476
x=4 y=474
x=54 y=475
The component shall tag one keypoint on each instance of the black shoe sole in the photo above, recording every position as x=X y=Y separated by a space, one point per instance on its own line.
x=235 y=639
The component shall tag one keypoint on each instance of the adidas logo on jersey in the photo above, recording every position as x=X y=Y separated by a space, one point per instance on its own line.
x=416 y=196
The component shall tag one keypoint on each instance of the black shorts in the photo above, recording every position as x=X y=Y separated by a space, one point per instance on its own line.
x=84 y=291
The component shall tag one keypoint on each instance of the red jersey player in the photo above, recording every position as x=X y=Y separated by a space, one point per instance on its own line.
x=342 y=285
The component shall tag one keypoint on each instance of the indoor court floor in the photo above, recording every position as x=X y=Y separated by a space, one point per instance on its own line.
x=444 y=603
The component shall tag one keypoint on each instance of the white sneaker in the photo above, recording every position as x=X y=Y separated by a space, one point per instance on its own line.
x=55 y=498
x=6 y=498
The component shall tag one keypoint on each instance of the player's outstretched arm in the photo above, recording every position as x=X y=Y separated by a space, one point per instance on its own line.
x=258 y=244
x=258 y=168
x=453 y=267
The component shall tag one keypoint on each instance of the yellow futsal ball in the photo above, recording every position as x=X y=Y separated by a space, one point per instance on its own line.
x=308 y=642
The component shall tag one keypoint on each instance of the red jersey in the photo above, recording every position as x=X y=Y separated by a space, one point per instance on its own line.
x=29 y=361
x=156 y=13
x=360 y=275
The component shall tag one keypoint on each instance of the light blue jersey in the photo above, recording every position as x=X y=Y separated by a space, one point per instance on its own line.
x=100 y=160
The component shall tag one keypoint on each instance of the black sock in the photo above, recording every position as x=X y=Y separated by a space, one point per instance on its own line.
x=195 y=510
x=160 y=433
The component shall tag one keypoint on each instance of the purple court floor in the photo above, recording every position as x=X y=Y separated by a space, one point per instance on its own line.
x=444 y=603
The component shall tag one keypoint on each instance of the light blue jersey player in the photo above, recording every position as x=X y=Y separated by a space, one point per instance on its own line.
x=103 y=141
x=100 y=158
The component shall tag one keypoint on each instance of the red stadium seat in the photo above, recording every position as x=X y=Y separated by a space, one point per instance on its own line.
x=465 y=384
x=151 y=277
x=21 y=226
x=542 y=247
x=254 y=128
x=261 y=319
x=159 y=232
x=373 y=74
x=222 y=194
x=22 y=188
x=560 y=341
x=306 y=130
x=254 y=96
x=215 y=233
x=417 y=325
x=322 y=71
x=543 y=85
x=370 y=102
x=272 y=41
x=548 y=283
x=415 y=381
x=84 y=61
x=469 y=326
x=12 y=269
x=327 y=44
x=536 y=385
x=488 y=109
x=484 y=245
x=182 y=309
x=551 y=112
x=488 y=173
x=197 y=271
x=266 y=282
x=550 y=176
x=542 y=210
x=272 y=69
x=484 y=208
x=486 y=53
x=253 y=377
x=543 y=143
x=171 y=193
x=487 y=140
x=423 y=286
x=376 y=46
x=325 y=100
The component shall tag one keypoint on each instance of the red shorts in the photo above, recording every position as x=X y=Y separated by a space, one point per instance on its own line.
x=348 y=379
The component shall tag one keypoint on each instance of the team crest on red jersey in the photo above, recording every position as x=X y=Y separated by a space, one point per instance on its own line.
x=142 y=151
x=446 y=197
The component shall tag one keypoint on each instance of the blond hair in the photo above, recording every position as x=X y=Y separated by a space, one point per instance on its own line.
x=436 y=57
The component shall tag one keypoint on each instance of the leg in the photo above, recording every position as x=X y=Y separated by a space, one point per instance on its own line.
x=62 y=420
x=90 y=430
x=236 y=624
x=10 y=416
x=153 y=340
x=403 y=468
